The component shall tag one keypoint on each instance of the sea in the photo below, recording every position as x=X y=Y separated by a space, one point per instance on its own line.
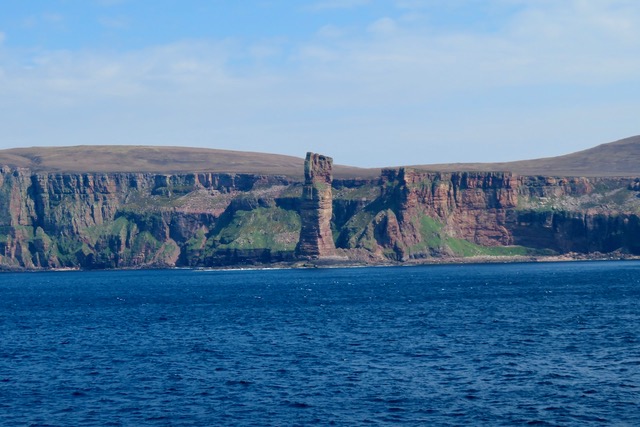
x=444 y=345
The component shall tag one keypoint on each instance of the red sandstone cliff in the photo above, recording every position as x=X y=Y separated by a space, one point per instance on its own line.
x=424 y=214
x=111 y=220
x=316 y=239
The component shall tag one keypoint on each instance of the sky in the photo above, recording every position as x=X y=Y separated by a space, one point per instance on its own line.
x=368 y=82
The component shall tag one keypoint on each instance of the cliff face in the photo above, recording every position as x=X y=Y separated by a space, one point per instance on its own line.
x=429 y=214
x=580 y=232
x=113 y=220
x=417 y=211
x=316 y=239
x=577 y=214
x=472 y=206
x=129 y=220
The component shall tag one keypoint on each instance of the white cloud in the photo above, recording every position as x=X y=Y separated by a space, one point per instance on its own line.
x=330 y=31
x=53 y=18
x=339 y=4
x=114 y=23
x=383 y=26
x=411 y=4
x=109 y=3
x=49 y=20
x=553 y=73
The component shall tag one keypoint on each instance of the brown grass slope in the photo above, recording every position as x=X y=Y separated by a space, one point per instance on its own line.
x=618 y=158
x=170 y=160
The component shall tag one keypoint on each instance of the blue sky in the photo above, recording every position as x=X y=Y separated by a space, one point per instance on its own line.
x=369 y=82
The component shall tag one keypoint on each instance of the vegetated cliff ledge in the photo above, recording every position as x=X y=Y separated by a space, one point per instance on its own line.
x=135 y=220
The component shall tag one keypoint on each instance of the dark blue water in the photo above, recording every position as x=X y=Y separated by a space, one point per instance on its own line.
x=548 y=344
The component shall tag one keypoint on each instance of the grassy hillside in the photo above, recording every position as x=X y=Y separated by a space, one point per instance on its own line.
x=122 y=158
x=619 y=158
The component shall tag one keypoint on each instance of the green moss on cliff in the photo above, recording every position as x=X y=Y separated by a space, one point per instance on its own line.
x=5 y=197
x=430 y=232
x=24 y=231
x=293 y=191
x=124 y=242
x=423 y=184
x=363 y=192
x=44 y=249
x=355 y=230
x=196 y=242
x=145 y=202
x=435 y=239
x=261 y=228
x=464 y=248
x=145 y=243
x=320 y=186
x=69 y=249
x=367 y=239
x=120 y=227
x=606 y=197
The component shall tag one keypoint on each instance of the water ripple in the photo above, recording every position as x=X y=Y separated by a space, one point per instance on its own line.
x=521 y=344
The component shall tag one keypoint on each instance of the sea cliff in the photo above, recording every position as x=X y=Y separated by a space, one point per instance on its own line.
x=129 y=220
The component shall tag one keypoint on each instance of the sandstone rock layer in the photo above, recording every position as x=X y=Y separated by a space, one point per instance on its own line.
x=205 y=219
x=316 y=239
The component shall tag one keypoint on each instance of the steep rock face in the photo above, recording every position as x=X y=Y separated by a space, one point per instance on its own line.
x=582 y=232
x=115 y=220
x=417 y=209
x=472 y=206
x=577 y=214
x=316 y=239
x=118 y=220
x=547 y=186
x=424 y=214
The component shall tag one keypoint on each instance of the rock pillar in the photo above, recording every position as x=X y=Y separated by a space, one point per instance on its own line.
x=316 y=240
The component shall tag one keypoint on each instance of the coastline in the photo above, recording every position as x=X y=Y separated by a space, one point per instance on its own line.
x=348 y=263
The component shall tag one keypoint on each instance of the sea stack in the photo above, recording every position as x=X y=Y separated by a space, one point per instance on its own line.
x=316 y=239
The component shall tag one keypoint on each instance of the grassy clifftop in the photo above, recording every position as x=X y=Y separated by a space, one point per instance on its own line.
x=171 y=160
x=619 y=158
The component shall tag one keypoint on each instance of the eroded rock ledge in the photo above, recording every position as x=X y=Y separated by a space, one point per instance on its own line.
x=316 y=210
x=141 y=220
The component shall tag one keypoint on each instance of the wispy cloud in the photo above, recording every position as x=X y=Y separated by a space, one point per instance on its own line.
x=411 y=4
x=49 y=19
x=53 y=18
x=108 y=3
x=339 y=4
x=383 y=26
x=330 y=31
x=552 y=72
x=114 y=23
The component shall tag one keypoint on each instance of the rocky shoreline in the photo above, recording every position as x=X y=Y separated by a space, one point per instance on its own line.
x=346 y=263
x=59 y=221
